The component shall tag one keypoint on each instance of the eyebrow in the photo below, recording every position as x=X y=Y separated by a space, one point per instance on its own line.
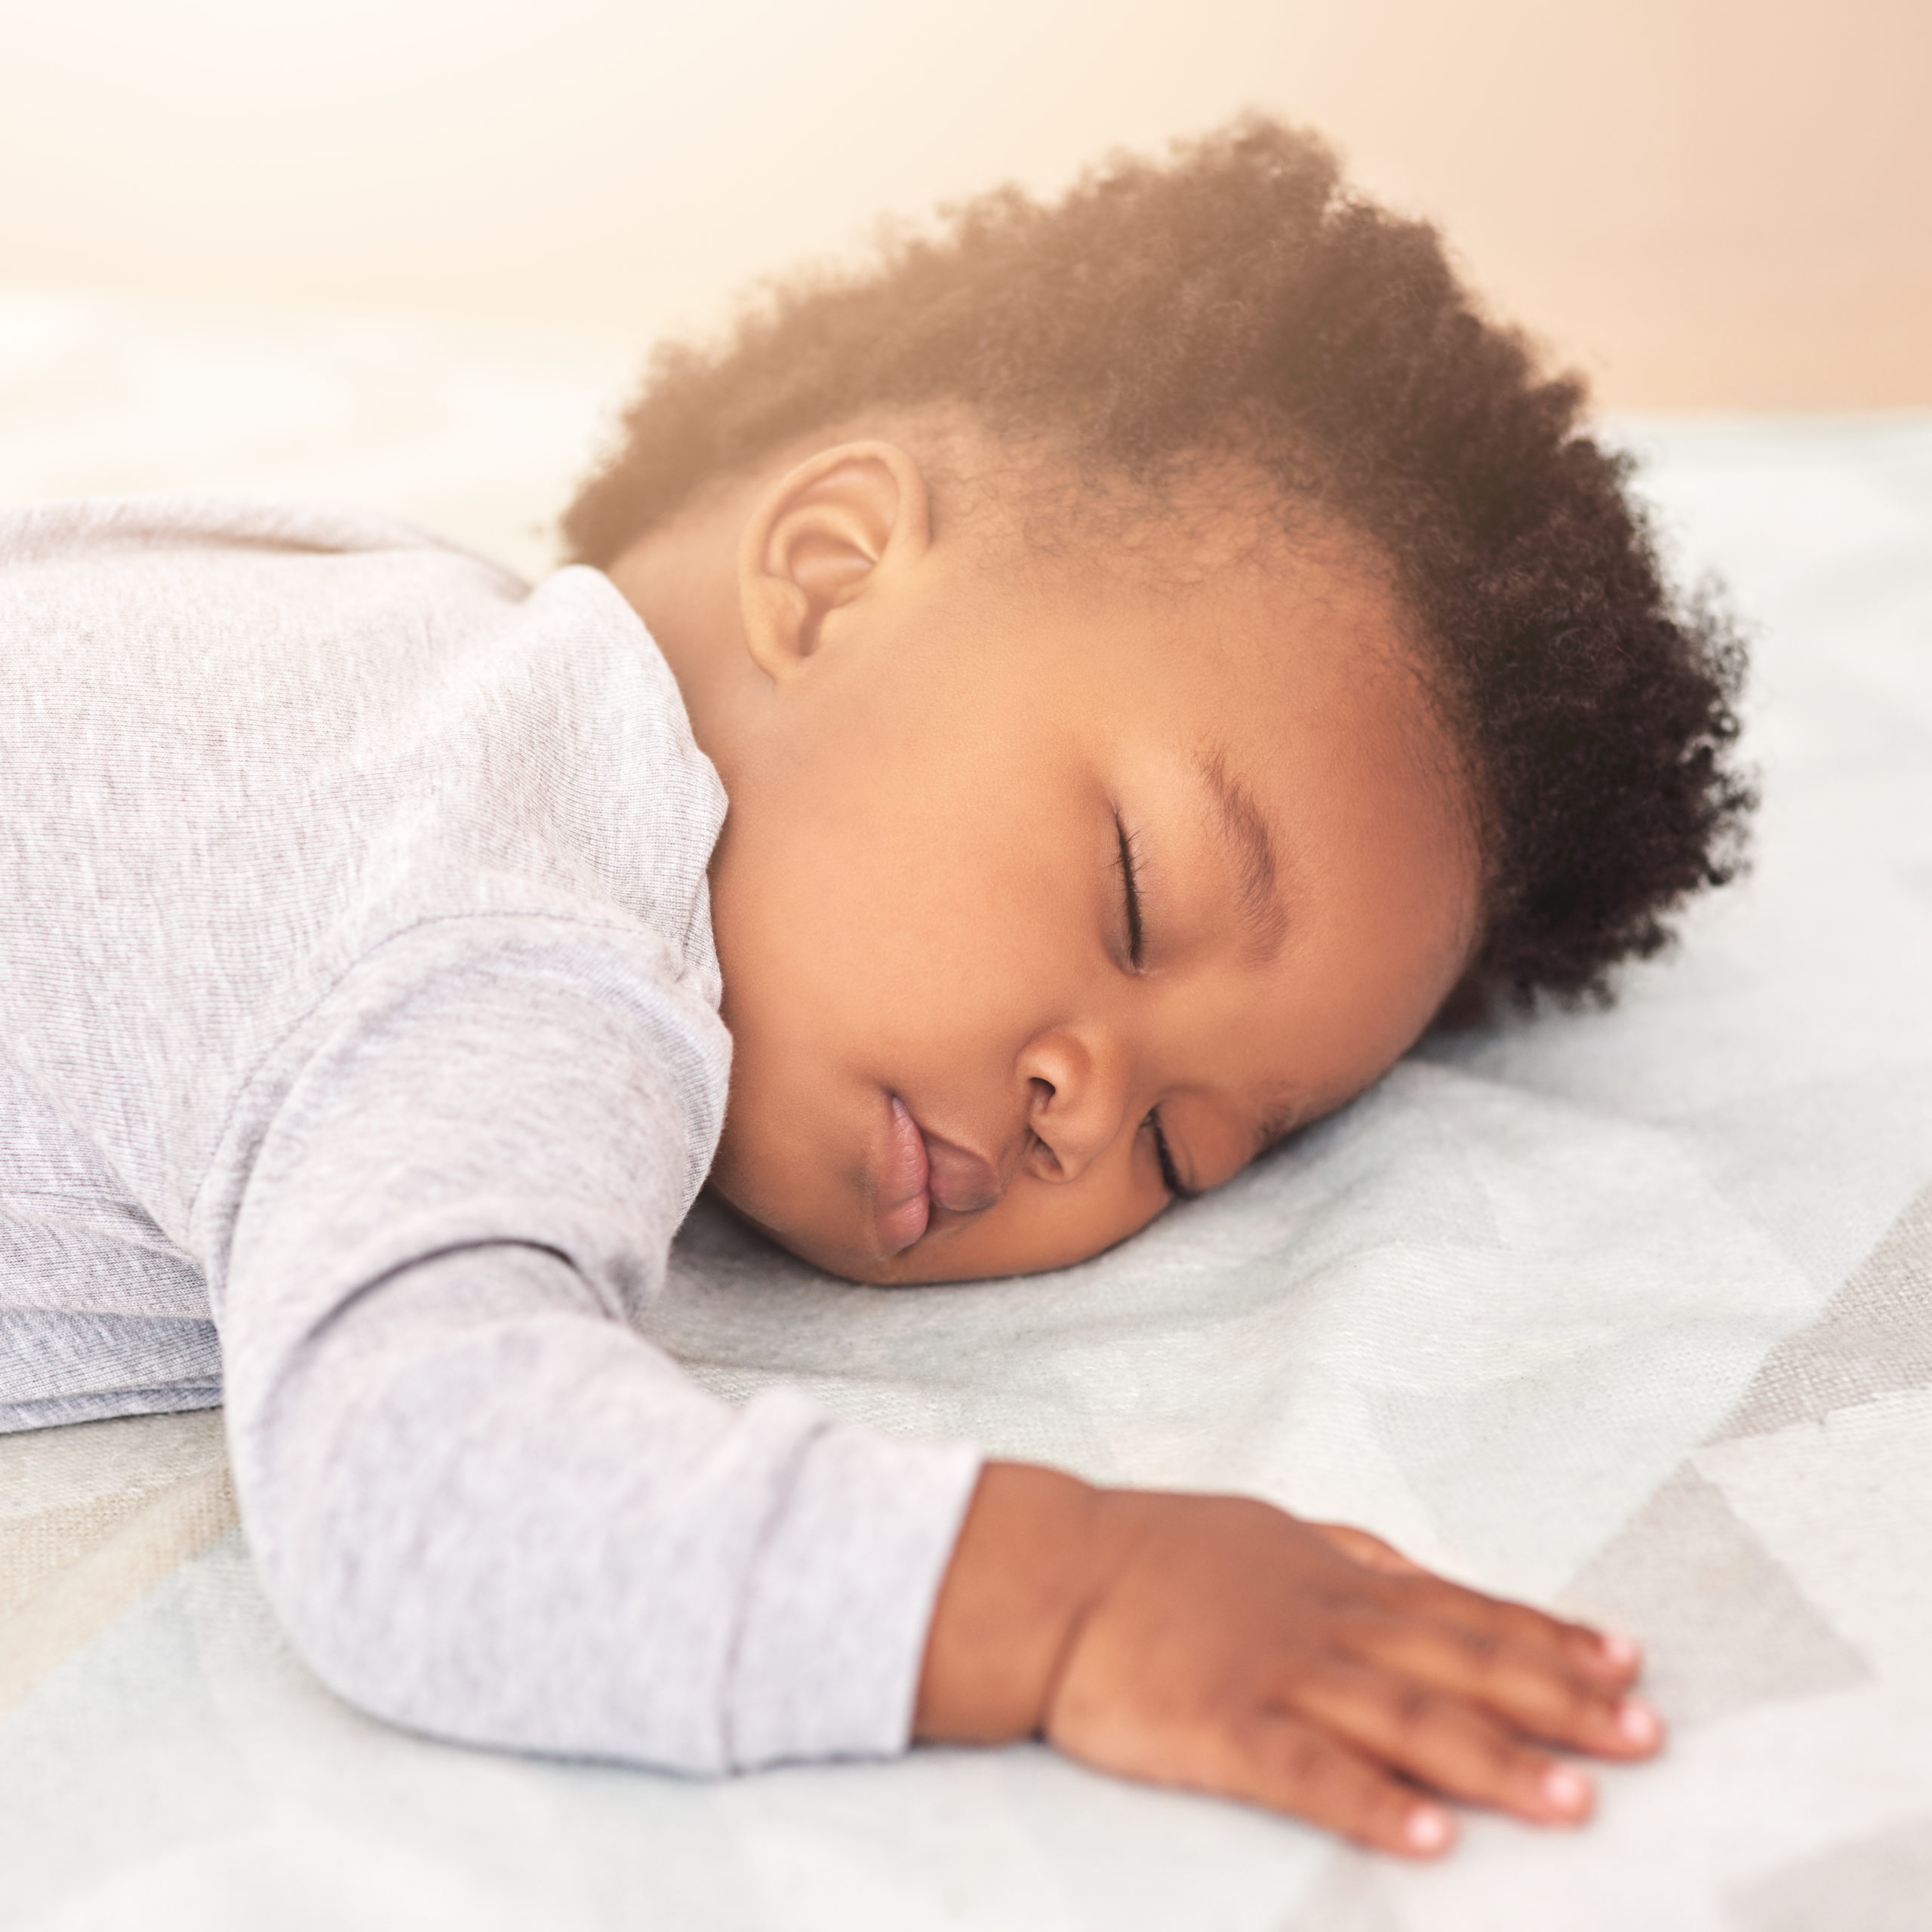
x=1244 y=833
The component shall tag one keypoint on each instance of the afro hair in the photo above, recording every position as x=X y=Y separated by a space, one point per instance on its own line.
x=1238 y=298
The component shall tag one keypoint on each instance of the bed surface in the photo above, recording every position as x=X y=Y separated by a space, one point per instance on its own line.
x=1628 y=1312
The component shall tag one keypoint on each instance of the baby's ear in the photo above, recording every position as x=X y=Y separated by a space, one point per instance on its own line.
x=819 y=538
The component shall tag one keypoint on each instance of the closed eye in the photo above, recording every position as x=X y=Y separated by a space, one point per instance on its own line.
x=1129 y=885
x=1170 y=1178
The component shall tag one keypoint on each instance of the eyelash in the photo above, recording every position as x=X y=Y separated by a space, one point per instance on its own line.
x=1130 y=888
x=1170 y=1179
x=1130 y=891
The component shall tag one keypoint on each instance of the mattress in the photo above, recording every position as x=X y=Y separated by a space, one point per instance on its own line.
x=1628 y=1312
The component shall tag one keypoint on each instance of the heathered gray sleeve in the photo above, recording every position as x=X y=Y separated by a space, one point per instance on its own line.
x=358 y=998
x=485 y=1506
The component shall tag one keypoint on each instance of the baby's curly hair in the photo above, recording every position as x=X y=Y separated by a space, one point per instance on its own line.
x=1239 y=300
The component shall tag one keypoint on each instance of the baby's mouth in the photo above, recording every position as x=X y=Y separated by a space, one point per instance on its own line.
x=902 y=1206
x=921 y=1172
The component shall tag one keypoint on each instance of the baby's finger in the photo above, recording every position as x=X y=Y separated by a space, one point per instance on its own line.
x=1444 y=1741
x=1605 y=1659
x=1369 y=1550
x=1534 y=1690
x=1290 y=1765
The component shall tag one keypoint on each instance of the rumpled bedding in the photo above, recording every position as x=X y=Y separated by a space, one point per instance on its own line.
x=1628 y=1312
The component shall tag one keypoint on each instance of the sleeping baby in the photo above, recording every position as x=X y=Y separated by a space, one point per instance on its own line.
x=1028 y=725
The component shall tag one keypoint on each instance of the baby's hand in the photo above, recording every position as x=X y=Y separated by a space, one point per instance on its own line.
x=1217 y=1643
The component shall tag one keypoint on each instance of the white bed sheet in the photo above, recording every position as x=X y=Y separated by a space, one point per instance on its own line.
x=1628 y=1311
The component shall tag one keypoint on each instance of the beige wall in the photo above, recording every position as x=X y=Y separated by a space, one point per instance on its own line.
x=1704 y=202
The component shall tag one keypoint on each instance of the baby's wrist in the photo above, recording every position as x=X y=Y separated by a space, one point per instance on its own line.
x=1030 y=1559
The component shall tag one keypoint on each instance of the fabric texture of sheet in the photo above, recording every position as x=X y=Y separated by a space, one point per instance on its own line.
x=1630 y=1311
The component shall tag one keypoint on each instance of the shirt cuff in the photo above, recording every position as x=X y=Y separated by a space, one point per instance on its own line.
x=833 y=1632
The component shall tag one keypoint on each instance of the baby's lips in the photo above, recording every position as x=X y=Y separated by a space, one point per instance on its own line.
x=902 y=1206
x=958 y=1179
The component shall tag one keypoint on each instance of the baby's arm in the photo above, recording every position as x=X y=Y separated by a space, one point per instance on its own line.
x=1218 y=1644
x=484 y=1505
x=487 y=1508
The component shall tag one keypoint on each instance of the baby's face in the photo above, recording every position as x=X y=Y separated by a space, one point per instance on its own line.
x=1047 y=894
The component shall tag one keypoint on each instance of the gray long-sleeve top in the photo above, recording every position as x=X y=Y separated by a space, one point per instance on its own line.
x=359 y=1057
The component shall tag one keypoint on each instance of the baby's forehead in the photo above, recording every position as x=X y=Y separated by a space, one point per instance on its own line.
x=1225 y=641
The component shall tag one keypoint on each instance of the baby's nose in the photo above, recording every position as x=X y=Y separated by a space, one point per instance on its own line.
x=958 y=1179
x=1079 y=1091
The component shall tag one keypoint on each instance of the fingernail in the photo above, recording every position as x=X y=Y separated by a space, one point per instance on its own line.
x=1565 y=1790
x=1620 y=1651
x=1637 y=1723
x=1428 y=1827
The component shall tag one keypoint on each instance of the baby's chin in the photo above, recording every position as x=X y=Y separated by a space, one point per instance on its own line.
x=830 y=1256
x=919 y=1265
x=955 y=1256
